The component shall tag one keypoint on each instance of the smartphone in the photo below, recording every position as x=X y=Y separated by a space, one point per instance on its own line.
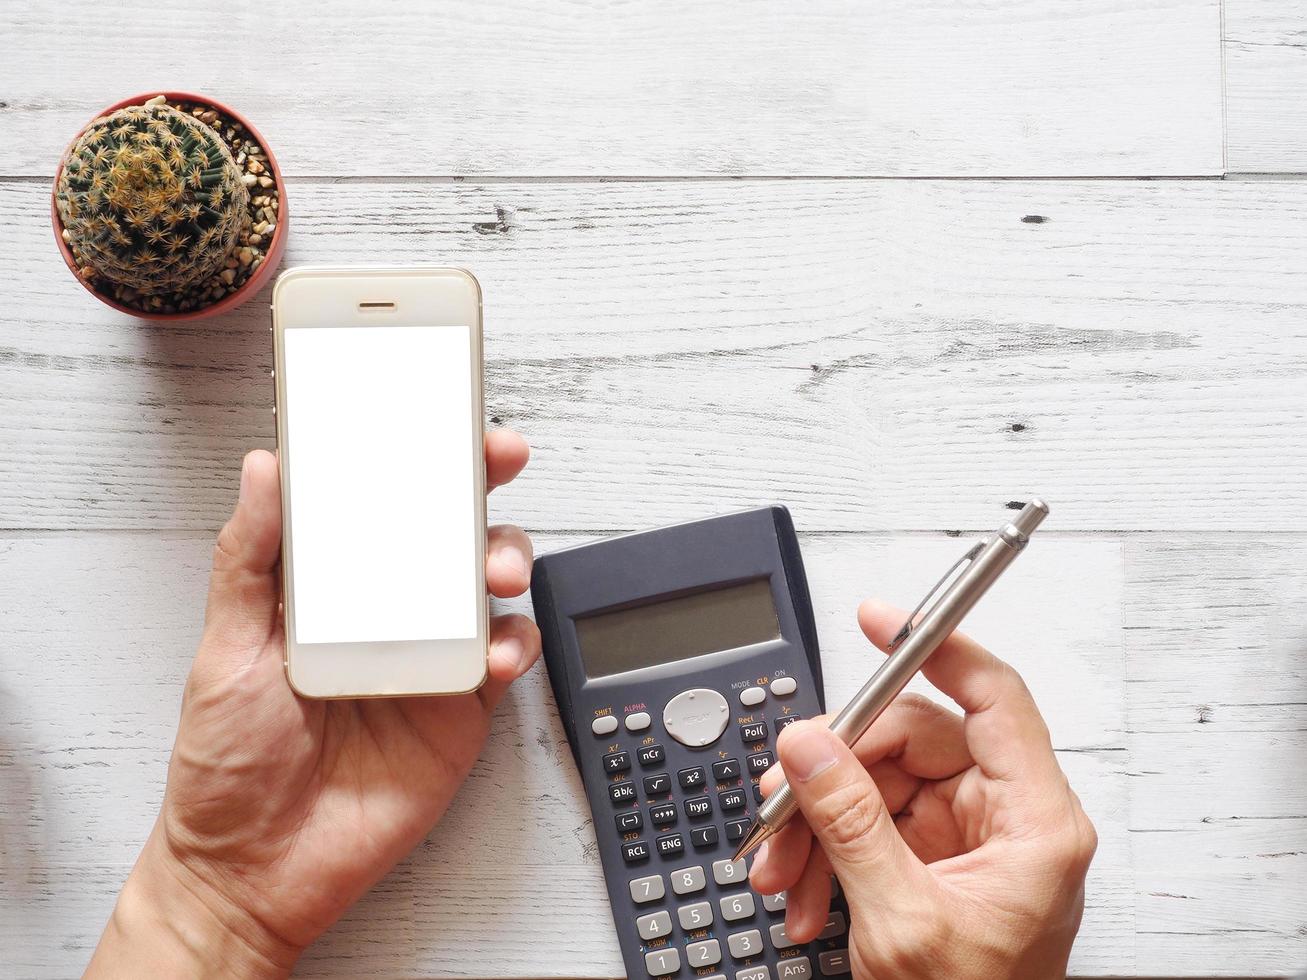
x=380 y=442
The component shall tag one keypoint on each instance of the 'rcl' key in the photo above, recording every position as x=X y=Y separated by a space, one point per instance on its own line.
x=636 y=850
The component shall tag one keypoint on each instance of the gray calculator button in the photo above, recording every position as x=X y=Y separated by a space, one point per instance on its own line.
x=834 y=962
x=654 y=925
x=754 y=973
x=778 y=937
x=696 y=916
x=706 y=953
x=745 y=944
x=637 y=722
x=661 y=962
x=687 y=881
x=736 y=907
x=696 y=717
x=648 y=889
x=782 y=686
x=751 y=696
x=729 y=872
x=774 y=903
x=604 y=726
x=799 y=968
x=835 y=926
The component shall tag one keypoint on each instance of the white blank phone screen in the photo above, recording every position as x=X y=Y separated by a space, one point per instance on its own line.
x=380 y=453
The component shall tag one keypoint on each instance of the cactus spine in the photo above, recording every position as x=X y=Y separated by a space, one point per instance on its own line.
x=151 y=199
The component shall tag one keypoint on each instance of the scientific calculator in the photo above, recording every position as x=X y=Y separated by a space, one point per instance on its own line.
x=676 y=657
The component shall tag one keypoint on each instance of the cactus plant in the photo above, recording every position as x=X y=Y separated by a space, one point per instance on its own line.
x=150 y=199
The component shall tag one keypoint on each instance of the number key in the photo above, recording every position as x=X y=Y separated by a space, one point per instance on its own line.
x=692 y=778
x=736 y=907
x=617 y=762
x=745 y=944
x=662 y=962
x=760 y=763
x=696 y=916
x=687 y=881
x=648 y=889
x=654 y=925
x=756 y=732
x=706 y=953
x=728 y=872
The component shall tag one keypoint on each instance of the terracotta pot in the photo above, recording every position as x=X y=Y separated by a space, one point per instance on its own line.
x=266 y=270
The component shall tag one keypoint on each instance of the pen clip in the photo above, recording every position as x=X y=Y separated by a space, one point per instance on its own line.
x=906 y=630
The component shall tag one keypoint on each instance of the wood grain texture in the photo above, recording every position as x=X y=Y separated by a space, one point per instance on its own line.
x=1265 y=78
x=881 y=355
x=989 y=87
x=97 y=631
x=1216 y=681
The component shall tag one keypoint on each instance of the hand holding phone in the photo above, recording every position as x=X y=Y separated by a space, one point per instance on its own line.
x=379 y=409
x=280 y=812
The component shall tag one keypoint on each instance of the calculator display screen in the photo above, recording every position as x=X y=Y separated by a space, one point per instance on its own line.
x=668 y=630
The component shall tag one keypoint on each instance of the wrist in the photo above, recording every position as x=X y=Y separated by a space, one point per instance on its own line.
x=168 y=921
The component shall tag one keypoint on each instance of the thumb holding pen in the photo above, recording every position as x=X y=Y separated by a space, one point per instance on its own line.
x=959 y=844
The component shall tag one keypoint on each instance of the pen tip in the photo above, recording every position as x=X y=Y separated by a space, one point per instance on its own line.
x=758 y=833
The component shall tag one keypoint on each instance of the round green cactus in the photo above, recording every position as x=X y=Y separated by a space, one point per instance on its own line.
x=151 y=199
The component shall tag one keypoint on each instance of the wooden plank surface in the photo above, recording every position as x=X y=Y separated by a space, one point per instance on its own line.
x=89 y=714
x=1138 y=354
x=894 y=359
x=992 y=87
x=1265 y=79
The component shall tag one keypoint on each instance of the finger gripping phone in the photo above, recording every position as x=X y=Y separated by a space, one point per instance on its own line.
x=380 y=444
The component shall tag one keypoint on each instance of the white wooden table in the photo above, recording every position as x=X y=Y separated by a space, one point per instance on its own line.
x=892 y=264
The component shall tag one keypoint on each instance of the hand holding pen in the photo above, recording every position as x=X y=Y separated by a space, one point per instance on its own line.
x=960 y=846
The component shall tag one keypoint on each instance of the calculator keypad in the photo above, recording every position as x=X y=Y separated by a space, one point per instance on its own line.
x=697 y=915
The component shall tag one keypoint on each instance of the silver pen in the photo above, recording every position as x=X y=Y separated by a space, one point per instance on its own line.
x=910 y=648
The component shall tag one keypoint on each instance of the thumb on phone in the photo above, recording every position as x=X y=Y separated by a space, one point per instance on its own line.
x=849 y=818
